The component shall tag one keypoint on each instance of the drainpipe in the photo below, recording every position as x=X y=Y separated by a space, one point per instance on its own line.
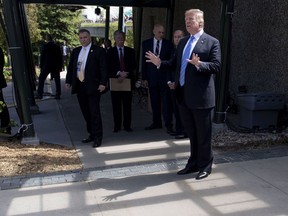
x=222 y=79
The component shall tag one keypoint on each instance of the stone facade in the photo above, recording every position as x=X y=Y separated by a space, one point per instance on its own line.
x=258 y=47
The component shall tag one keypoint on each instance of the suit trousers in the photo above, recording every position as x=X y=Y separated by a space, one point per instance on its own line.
x=121 y=104
x=90 y=108
x=4 y=116
x=198 y=126
x=42 y=77
x=161 y=103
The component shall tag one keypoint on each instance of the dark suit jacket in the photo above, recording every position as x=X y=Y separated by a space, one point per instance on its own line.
x=150 y=72
x=95 y=69
x=3 y=83
x=51 y=58
x=199 y=88
x=129 y=63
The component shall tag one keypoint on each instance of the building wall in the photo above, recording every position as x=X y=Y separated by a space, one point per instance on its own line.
x=259 y=39
x=259 y=46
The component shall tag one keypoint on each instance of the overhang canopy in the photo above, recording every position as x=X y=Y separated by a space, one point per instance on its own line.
x=127 y=3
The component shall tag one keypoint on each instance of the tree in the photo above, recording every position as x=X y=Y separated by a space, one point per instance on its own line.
x=60 y=22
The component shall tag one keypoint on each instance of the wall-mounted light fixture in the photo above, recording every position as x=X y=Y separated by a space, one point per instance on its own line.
x=97 y=11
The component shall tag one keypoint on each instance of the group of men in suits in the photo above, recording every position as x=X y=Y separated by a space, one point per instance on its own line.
x=194 y=62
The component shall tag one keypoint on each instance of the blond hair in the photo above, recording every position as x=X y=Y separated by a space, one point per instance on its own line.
x=199 y=16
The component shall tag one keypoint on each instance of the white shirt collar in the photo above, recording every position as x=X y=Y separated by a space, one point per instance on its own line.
x=88 y=46
x=198 y=34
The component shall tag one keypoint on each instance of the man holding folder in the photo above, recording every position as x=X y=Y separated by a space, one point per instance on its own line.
x=121 y=69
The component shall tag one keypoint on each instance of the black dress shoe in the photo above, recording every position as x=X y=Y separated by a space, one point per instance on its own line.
x=153 y=126
x=57 y=97
x=181 y=136
x=128 y=129
x=116 y=130
x=202 y=175
x=187 y=171
x=39 y=97
x=97 y=143
x=171 y=132
x=87 y=140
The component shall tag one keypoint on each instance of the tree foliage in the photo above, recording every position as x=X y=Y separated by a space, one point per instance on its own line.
x=60 y=22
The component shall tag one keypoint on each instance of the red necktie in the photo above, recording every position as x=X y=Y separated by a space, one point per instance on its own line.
x=121 y=60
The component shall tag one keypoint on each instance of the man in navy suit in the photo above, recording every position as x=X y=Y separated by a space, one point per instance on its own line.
x=197 y=59
x=156 y=79
x=87 y=75
x=4 y=112
x=122 y=64
x=50 y=62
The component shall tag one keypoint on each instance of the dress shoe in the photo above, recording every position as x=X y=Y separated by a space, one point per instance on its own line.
x=153 y=126
x=187 y=171
x=181 y=136
x=202 y=175
x=128 y=129
x=57 y=97
x=39 y=97
x=116 y=130
x=170 y=131
x=87 y=140
x=97 y=143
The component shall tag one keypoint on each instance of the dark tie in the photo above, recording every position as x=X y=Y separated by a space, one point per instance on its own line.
x=121 y=60
x=185 y=55
x=157 y=48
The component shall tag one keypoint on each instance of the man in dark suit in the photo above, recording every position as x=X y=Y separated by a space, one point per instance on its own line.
x=4 y=112
x=197 y=59
x=156 y=79
x=179 y=130
x=87 y=75
x=50 y=62
x=122 y=64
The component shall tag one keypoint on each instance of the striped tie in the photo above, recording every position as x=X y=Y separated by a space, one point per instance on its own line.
x=157 y=48
x=185 y=56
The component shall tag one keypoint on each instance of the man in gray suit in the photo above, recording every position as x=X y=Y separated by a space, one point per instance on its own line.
x=197 y=59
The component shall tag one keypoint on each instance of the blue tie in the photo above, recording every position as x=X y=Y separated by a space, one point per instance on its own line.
x=186 y=55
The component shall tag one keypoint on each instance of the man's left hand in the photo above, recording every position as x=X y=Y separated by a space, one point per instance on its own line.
x=101 y=88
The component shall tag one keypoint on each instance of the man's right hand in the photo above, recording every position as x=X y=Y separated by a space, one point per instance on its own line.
x=144 y=83
x=67 y=85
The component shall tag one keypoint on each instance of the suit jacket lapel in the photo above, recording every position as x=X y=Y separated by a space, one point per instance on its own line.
x=200 y=42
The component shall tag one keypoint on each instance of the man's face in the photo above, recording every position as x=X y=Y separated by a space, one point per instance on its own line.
x=119 y=40
x=192 y=24
x=84 y=38
x=159 y=32
x=177 y=37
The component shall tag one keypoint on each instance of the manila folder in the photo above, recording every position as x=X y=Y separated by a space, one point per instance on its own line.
x=119 y=85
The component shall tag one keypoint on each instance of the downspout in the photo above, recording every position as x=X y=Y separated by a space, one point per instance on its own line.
x=222 y=80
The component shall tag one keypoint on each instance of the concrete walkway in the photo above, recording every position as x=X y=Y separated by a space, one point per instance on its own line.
x=135 y=173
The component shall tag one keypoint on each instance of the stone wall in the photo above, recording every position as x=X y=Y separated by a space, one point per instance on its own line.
x=259 y=46
x=259 y=39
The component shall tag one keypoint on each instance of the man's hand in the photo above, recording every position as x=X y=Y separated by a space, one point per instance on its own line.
x=144 y=83
x=153 y=58
x=123 y=74
x=195 y=60
x=101 y=88
x=171 y=85
x=67 y=85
